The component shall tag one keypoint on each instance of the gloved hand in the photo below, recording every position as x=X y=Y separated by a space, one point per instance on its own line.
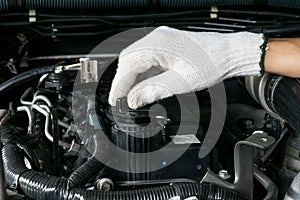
x=190 y=61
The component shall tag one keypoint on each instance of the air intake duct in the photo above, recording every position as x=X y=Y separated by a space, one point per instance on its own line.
x=279 y=95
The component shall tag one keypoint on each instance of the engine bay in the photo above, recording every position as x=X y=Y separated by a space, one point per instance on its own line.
x=62 y=140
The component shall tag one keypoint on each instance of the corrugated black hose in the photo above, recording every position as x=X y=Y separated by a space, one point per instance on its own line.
x=44 y=187
x=85 y=172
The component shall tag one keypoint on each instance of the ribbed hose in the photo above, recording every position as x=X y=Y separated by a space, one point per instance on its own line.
x=182 y=190
x=42 y=187
x=39 y=186
x=88 y=4
x=283 y=96
x=13 y=164
x=85 y=172
x=8 y=137
x=278 y=95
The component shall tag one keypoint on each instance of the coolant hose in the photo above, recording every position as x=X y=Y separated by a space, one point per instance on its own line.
x=25 y=77
x=43 y=187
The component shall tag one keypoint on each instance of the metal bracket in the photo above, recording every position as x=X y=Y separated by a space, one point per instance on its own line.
x=243 y=164
x=32 y=15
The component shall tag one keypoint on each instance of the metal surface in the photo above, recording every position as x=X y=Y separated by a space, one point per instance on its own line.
x=105 y=185
x=269 y=185
x=224 y=174
x=269 y=152
x=154 y=182
x=59 y=57
x=243 y=164
x=89 y=70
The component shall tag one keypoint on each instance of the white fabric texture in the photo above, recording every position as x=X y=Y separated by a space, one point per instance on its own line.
x=190 y=61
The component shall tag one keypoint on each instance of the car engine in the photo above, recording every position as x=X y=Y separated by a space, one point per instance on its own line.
x=62 y=140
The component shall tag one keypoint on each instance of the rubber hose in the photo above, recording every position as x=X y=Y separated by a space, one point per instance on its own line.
x=8 y=135
x=43 y=187
x=31 y=156
x=13 y=161
x=182 y=190
x=279 y=95
x=85 y=172
x=283 y=96
x=25 y=77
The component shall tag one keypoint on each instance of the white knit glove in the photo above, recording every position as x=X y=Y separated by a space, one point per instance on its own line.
x=190 y=61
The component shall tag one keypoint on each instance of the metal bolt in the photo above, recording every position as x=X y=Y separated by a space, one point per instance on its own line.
x=224 y=174
x=104 y=185
x=263 y=140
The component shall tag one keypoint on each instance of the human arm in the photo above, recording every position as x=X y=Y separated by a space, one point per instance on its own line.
x=283 y=57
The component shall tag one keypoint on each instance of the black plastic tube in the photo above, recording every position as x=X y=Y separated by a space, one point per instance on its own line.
x=25 y=77
x=8 y=136
x=30 y=155
x=3 y=193
x=56 y=152
x=182 y=190
x=13 y=161
x=85 y=172
x=36 y=185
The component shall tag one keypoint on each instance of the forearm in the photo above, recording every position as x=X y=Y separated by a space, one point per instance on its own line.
x=283 y=57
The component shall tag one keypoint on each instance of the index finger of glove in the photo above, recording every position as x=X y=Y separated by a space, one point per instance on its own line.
x=129 y=67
